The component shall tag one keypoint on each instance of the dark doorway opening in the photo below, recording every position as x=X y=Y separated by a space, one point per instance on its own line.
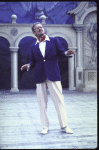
x=63 y=64
x=5 y=64
x=26 y=80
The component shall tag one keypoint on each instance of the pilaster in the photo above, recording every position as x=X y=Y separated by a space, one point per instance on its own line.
x=79 y=55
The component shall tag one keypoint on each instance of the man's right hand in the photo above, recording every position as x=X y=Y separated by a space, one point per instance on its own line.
x=26 y=66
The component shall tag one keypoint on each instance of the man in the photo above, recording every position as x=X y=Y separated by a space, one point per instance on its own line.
x=44 y=57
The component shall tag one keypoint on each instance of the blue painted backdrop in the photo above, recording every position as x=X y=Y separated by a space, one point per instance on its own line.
x=29 y=12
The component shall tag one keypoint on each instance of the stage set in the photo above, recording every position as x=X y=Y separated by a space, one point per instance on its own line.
x=81 y=36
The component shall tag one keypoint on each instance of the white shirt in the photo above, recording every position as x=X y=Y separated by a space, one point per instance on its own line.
x=42 y=45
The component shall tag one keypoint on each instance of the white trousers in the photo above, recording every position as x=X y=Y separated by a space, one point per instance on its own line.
x=55 y=90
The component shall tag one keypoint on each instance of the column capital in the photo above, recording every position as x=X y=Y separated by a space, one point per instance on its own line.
x=14 y=49
x=78 y=27
x=73 y=48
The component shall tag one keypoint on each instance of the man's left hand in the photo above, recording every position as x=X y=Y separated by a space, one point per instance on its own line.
x=69 y=52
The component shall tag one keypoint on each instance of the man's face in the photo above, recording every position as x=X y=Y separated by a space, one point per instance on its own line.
x=39 y=30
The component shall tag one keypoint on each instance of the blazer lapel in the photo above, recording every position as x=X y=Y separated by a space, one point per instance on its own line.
x=47 y=48
x=38 y=50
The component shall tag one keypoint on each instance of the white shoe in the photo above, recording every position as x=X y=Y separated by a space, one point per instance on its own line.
x=67 y=130
x=44 y=131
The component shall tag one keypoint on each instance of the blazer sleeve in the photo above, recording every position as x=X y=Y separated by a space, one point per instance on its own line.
x=60 y=48
x=32 y=60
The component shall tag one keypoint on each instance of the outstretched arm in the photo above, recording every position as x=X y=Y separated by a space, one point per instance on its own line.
x=31 y=63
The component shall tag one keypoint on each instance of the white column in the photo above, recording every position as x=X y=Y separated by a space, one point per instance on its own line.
x=79 y=54
x=14 y=69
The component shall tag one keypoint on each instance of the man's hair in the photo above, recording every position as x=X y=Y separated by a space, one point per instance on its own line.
x=35 y=25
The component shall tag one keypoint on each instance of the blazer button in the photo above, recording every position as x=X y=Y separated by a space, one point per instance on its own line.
x=44 y=60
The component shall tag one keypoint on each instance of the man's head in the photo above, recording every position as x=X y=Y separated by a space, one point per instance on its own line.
x=38 y=29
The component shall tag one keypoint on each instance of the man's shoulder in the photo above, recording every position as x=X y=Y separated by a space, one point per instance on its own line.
x=52 y=38
x=33 y=45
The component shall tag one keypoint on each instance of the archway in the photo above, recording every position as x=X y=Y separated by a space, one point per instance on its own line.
x=64 y=36
x=5 y=64
x=23 y=35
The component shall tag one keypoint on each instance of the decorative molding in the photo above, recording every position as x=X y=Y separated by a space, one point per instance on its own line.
x=79 y=27
x=78 y=9
x=14 y=31
x=90 y=41
x=14 y=49
x=81 y=11
x=14 y=17
x=82 y=7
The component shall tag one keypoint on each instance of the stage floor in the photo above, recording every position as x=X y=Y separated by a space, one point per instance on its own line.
x=20 y=126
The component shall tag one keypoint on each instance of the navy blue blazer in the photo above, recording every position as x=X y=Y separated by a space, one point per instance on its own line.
x=47 y=67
